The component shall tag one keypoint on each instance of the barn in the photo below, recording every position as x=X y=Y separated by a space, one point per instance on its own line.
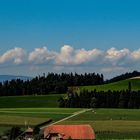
x=63 y=132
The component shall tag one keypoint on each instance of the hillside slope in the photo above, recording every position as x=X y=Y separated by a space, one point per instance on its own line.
x=120 y=85
x=30 y=101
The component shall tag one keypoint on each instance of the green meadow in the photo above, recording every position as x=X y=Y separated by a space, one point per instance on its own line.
x=26 y=111
x=30 y=101
x=115 y=86
x=25 y=117
x=111 y=123
x=107 y=123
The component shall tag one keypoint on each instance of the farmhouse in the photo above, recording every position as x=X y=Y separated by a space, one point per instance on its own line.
x=27 y=135
x=63 y=132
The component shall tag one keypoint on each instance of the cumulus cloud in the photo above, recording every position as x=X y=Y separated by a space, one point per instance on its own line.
x=65 y=56
x=103 y=60
x=69 y=56
x=135 y=55
x=109 y=62
x=83 y=56
x=115 y=56
x=41 y=55
x=16 y=55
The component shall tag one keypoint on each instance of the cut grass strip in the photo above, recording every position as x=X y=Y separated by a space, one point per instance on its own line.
x=20 y=120
x=115 y=126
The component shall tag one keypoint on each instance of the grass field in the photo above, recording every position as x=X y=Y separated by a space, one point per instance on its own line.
x=107 y=123
x=31 y=116
x=111 y=123
x=30 y=101
x=116 y=86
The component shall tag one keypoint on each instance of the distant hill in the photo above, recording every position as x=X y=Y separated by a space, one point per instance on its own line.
x=11 y=77
x=124 y=76
x=115 y=86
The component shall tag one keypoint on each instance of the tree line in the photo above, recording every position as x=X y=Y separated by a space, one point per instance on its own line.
x=101 y=99
x=124 y=76
x=51 y=83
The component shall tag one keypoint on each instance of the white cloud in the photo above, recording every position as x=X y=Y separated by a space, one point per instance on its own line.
x=135 y=55
x=70 y=59
x=18 y=61
x=41 y=55
x=83 y=56
x=69 y=56
x=115 y=56
x=65 y=56
x=16 y=55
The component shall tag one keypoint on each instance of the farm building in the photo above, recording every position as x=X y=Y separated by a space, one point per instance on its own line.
x=63 y=132
x=27 y=135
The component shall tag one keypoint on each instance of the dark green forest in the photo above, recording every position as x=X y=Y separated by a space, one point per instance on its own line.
x=54 y=83
x=101 y=99
x=51 y=83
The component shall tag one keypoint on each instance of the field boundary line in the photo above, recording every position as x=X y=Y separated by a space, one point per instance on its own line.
x=66 y=118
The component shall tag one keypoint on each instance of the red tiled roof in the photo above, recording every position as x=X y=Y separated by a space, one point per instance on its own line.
x=73 y=131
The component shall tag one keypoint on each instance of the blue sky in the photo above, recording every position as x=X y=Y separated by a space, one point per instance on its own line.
x=87 y=24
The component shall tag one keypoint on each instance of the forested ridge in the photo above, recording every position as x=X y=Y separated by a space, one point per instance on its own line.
x=101 y=99
x=124 y=76
x=52 y=83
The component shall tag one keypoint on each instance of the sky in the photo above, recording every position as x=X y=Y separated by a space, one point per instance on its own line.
x=40 y=36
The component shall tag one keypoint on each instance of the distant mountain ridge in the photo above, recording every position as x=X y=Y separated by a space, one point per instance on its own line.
x=13 y=77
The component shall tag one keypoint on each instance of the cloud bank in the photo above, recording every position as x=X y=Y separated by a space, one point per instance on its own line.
x=15 y=55
x=109 y=60
x=41 y=55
